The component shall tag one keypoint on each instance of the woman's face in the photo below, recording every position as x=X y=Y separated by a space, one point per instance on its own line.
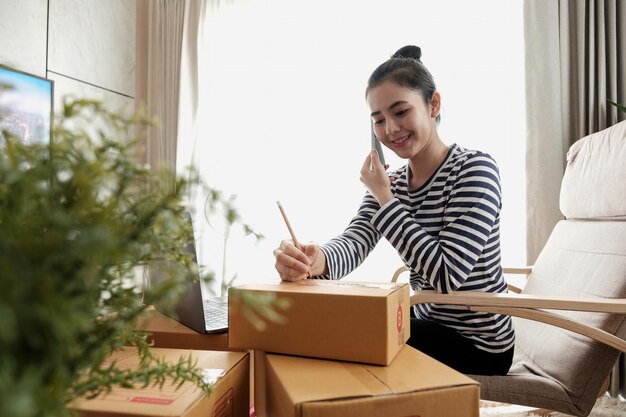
x=403 y=121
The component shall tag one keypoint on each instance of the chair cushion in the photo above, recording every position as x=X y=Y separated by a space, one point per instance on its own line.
x=586 y=259
x=594 y=183
x=523 y=386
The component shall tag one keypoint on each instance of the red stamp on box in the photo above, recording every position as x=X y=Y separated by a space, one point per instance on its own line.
x=152 y=400
x=399 y=319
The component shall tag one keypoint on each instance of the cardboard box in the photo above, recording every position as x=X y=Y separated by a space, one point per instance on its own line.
x=344 y=320
x=230 y=396
x=413 y=385
x=166 y=332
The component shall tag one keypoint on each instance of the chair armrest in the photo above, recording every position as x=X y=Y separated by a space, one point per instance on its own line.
x=530 y=307
x=519 y=270
x=398 y=272
x=471 y=298
x=513 y=288
x=523 y=270
x=558 y=321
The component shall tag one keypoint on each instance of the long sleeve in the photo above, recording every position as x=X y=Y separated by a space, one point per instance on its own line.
x=348 y=250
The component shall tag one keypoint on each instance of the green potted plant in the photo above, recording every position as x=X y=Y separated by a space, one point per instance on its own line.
x=79 y=219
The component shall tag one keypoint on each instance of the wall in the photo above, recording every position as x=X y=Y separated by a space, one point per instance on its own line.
x=86 y=46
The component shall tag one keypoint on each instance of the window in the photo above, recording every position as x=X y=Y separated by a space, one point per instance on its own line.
x=284 y=114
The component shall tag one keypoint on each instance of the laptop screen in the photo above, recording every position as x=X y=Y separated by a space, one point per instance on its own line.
x=192 y=307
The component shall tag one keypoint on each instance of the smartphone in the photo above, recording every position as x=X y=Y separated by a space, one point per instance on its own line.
x=377 y=145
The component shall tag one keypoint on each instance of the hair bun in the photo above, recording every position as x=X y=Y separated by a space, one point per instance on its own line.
x=409 y=51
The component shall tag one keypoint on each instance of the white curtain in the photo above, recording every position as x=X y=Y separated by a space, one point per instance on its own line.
x=169 y=45
x=575 y=61
x=191 y=111
x=189 y=97
x=169 y=82
x=165 y=20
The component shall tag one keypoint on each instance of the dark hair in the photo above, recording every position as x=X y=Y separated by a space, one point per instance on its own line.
x=405 y=68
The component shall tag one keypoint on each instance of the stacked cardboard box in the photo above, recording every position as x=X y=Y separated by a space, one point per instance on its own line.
x=363 y=328
x=412 y=385
x=339 y=351
x=350 y=321
x=228 y=373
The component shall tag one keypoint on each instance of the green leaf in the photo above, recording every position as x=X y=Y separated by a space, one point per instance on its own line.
x=619 y=106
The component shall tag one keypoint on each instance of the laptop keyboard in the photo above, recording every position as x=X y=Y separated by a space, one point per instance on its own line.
x=216 y=314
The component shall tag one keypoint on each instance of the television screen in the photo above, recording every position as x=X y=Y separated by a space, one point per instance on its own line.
x=25 y=106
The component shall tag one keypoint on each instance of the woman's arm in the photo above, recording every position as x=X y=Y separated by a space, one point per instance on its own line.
x=335 y=259
x=348 y=250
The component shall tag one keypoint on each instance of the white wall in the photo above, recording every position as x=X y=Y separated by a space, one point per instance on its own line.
x=86 y=46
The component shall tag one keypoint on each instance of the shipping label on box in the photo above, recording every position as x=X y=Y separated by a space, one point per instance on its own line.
x=413 y=385
x=343 y=320
x=228 y=372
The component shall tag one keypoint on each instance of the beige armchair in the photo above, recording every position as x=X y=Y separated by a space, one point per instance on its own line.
x=570 y=316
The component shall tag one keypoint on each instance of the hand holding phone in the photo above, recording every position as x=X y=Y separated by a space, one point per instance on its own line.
x=377 y=145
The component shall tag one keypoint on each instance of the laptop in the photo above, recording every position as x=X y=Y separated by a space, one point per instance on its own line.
x=204 y=314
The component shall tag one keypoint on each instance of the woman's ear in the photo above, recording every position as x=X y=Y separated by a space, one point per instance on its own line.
x=435 y=103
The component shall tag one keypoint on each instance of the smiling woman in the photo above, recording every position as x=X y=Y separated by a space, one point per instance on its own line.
x=284 y=116
x=440 y=212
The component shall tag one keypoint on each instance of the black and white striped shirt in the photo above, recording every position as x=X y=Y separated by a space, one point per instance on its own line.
x=447 y=233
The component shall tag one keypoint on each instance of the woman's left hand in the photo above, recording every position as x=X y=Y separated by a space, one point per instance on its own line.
x=375 y=178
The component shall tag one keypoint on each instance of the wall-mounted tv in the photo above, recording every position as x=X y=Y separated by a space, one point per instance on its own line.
x=25 y=106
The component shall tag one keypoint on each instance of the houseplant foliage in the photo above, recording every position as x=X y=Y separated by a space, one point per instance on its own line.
x=78 y=221
x=619 y=106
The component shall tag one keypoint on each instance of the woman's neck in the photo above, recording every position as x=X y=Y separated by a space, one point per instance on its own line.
x=425 y=163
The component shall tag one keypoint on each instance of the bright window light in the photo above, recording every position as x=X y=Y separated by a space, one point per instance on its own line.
x=284 y=115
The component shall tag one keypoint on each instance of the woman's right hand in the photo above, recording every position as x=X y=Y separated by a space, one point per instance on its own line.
x=296 y=263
